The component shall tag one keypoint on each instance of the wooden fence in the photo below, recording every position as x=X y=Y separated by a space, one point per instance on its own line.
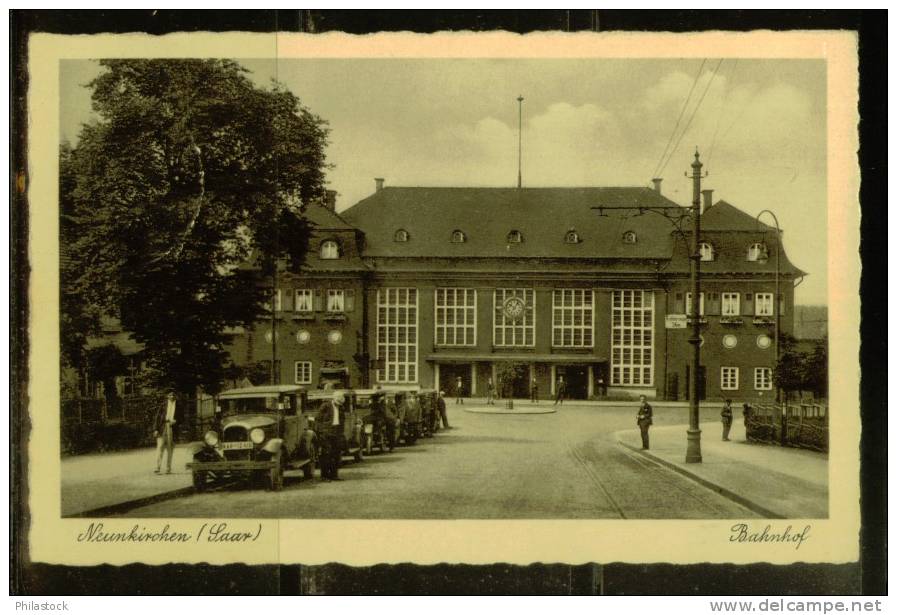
x=89 y=425
x=803 y=425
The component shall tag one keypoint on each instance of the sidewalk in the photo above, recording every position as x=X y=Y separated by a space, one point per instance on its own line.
x=771 y=480
x=480 y=402
x=104 y=480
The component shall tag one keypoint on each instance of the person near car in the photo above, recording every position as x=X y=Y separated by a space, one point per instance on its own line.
x=534 y=390
x=726 y=416
x=490 y=393
x=561 y=391
x=644 y=419
x=331 y=416
x=459 y=391
x=440 y=408
x=163 y=431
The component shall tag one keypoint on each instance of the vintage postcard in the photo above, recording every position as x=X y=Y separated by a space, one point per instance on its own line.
x=444 y=298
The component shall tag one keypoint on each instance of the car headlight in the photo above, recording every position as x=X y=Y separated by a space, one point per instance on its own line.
x=257 y=435
x=211 y=438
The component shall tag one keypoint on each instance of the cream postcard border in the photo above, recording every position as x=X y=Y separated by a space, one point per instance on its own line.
x=315 y=541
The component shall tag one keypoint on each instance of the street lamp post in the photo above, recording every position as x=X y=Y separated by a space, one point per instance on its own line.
x=693 y=451
x=678 y=216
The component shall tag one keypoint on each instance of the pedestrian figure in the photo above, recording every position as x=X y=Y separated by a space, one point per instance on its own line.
x=726 y=416
x=163 y=427
x=561 y=390
x=459 y=391
x=534 y=391
x=330 y=419
x=490 y=393
x=644 y=419
x=440 y=408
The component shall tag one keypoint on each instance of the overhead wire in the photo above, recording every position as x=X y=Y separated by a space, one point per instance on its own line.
x=679 y=119
x=722 y=106
x=692 y=116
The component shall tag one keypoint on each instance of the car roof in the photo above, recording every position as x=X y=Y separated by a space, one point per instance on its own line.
x=328 y=394
x=259 y=391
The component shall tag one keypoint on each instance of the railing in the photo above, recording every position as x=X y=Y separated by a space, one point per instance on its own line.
x=801 y=425
x=89 y=425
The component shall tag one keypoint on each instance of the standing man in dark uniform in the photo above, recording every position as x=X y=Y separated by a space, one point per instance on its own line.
x=331 y=417
x=726 y=416
x=644 y=419
x=561 y=391
x=440 y=408
x=163 y=431
x=534 y=391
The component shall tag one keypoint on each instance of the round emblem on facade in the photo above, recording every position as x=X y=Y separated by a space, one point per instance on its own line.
x=302 y=336
x=335 y=337
x=764 y=341
x=730 y=341
x=269 y=337
x=514 y=308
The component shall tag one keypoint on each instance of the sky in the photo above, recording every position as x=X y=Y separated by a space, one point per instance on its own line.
x=760 y=126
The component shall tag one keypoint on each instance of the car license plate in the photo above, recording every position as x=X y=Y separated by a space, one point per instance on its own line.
x=231 y=446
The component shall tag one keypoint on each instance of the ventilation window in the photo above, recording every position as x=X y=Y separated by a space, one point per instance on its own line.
x=757 y=252
x=515 y=237
x=629 y=237
x=571 y=237
x=706 y=251
x=401 y=235
x=458 y=237
x=329 y=250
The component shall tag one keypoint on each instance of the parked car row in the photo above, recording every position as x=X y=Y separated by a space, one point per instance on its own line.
x=263 y=431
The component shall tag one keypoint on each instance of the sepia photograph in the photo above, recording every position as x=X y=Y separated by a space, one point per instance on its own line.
x=444 y=289
x=466 y=298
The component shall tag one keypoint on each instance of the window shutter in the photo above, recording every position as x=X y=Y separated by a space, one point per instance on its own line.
x=680 y=304
x=319 y=300
x=748 y=306
x=350 y=300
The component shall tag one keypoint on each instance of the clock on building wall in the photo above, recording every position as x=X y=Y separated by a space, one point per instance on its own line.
x=514 y=308
x=335 y=337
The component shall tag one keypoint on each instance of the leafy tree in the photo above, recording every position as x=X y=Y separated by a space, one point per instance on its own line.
x=508 y=372
x=816 y=370
x=189 y=172
x=106 y=363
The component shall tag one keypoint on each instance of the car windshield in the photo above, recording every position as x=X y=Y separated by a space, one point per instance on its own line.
x=259 y=405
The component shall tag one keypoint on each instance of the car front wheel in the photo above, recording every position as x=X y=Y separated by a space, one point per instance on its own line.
x=199 y=481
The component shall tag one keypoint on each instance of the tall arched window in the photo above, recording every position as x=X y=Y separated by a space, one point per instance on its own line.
x=757 y=252
x=629 y=237
x=706 y=250
x=515 y=237
x=571 y=237
x=329 y=249
x=401 y=235
x=458 y=237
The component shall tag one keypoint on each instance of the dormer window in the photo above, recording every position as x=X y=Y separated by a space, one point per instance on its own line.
x=757 y=252
x=629 y=237
x=571 y=237
x=329 y=250
x=458 y=237
x=515 y=237
x=706 y=251
x=401 y=235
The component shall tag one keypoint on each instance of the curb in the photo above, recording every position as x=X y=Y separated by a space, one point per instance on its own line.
x=123 y=507
x=497 y=410
x=726 y=493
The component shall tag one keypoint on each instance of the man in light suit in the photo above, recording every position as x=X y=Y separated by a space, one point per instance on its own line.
x=163 y=431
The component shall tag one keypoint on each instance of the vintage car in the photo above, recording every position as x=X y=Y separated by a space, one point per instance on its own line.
x=379 y=424
x=262 y=431
x=408 y=411
x=353 y=427
x=429 y=414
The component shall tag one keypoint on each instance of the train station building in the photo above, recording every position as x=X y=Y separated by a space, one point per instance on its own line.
x=416 y=286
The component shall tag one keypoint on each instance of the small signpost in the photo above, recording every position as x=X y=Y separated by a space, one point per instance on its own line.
x=676 y=321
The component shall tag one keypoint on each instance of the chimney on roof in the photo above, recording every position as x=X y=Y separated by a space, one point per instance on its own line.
x=379 y=183
x=657 y=181
x=708 y=199
x=330 y=200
